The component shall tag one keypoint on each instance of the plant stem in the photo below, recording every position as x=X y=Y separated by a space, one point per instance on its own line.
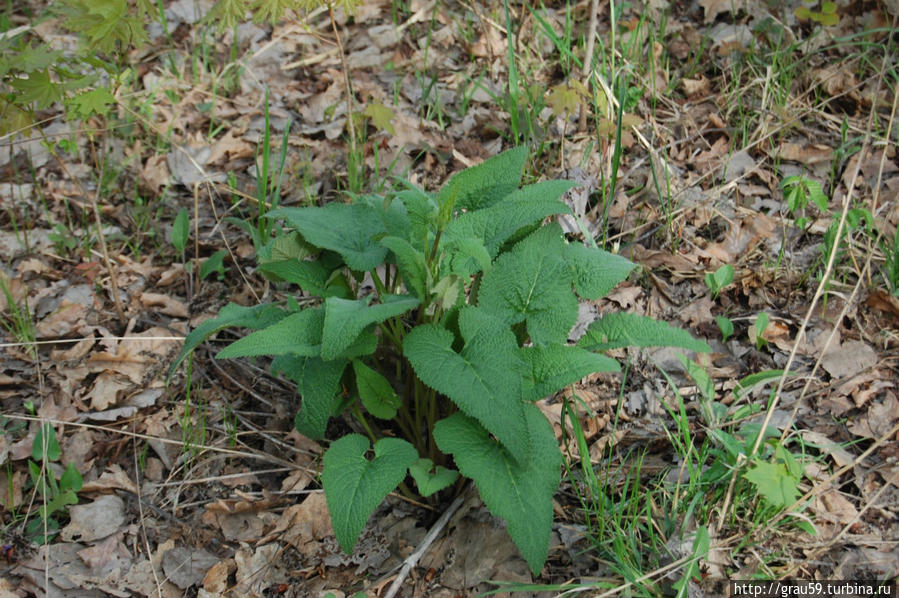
x=362 y=420
x=346 y=82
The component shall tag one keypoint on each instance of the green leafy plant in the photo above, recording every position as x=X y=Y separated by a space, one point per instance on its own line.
x=777 y=481
x=719 y=279
x=55 y=493
x=439 y=320
x=798 y=191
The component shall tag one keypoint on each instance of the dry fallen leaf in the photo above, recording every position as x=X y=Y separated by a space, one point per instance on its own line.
x=741 y=238
x=713 y=8
x=95 y=520
x=851 y=358
x=834 y=507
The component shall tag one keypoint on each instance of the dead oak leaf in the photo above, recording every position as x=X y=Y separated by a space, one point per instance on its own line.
x=851 y=358
x=95 y=520
x=742 y=237
x=713 y=8
x=165 y=304
x=807 y=154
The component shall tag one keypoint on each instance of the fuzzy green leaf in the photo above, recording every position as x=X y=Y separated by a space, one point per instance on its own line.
x=297 y=334
x=533 y=283
x=486 y=183
x=521 y=208
x=553 y=367
x=484 y=380
x=317 y=383
x=309 y=276
x=355 y=486
x=345 y=319
x=348 y=229
x=430 y=479
x=376 y=393
x=411 y=263
x=422 y=210
x=393 y=215
x=467 y=256
x=230 y=316
x=596 y=271
x=288 y=246
x=622 y=329
x=518 y=490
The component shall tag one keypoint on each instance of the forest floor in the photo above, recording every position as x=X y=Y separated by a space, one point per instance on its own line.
x=743 y=157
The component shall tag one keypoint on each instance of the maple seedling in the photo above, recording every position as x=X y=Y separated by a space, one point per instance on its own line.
x=438 y=321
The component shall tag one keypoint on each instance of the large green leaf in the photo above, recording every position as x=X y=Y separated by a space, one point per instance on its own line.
x=596 y=271
x=518 y=490
x=355 y=486
x=376 y=393
x=484 y=380
x=349 y=229
x=422 y=210
x=312 y=277
x=297 y=334
x=533 y=283
x=484 y=184
x=553 y=367
x=393 y=214
x=345 y=319
x=622 y=329
x=317 y=384
x=232 y=315
x=521 y=208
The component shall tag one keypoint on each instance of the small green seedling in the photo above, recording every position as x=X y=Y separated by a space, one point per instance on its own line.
x=757 y=330
x=181 y=231
x=719 y=279
x=55 y=494
x=726 y=326
x=214 y=265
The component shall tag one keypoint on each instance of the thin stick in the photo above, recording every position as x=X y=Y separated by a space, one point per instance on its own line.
x=587 y=71
x=346 y=82
x=423 y=547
